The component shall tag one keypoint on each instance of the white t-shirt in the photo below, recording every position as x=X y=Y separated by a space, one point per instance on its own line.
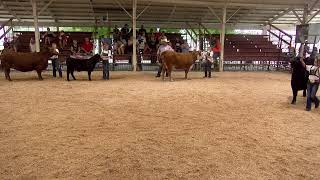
x=141 y=42
x=55 y=56
x=314 y=73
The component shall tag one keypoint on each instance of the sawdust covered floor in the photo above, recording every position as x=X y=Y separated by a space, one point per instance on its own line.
x=236 y=125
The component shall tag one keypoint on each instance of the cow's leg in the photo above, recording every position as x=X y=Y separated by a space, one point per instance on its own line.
x=7 y=73
x=169 y=70
x=186 y=73
x=304 y=93
x=39 y=74
x=68 y=73
x=163 y=70
x=74 y=78
x=89 y=75
x=295 y=93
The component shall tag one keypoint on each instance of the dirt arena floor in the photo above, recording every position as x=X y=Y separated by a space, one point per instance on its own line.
x=236 y=125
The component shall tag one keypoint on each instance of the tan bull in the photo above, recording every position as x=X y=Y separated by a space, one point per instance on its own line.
x=179 y=61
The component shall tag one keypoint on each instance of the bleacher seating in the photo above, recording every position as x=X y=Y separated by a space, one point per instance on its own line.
x=241 y=51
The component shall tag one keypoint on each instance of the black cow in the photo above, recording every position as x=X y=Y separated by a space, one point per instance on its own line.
x=299 y=78
x=82 y=65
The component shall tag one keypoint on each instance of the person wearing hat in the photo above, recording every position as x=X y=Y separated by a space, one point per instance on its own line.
x=164 y=46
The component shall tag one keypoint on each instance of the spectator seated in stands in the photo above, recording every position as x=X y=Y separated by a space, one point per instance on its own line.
x=75 y=48
x=16 y=43
x=120 y=46
x=87 y=46
x=142 y=30
x=32 y=45
x=6 y=44
x=129 y=47
x=116 y=34
x=178 y=45
x=62 y=40
x=216 y=49
x=125 y=32
x=184 y=46
x=48 y=37
x=141 y=43
x=152 y=43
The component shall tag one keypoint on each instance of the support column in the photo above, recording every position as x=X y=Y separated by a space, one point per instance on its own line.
x=222 y=38
x=305 y=14
x=36 y=28
x=134 y=31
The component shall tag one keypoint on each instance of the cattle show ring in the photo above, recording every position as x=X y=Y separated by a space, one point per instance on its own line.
x=146 y=89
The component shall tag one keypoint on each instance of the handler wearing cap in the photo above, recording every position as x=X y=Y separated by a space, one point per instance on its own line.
x=164 y=46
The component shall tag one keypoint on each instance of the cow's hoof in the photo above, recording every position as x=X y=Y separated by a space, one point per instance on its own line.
x=293 y=102
x=9 y=79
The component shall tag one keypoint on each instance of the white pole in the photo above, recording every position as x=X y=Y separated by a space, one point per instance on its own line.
x=36 y=28
x=222 y=37
x=134 y=27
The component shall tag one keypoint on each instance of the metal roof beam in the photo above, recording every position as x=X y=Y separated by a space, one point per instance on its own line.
x=123 y=8
x=313 y=16
x=144 y=9
x=207 y=3
x=45 y=7
x=214 y=13
x=280 y=15
x=233 y=14
x=313 y=6
x=295 y=13
x=10 y=11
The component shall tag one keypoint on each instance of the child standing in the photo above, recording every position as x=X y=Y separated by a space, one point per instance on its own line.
x=207 y=65
x=313 y=83
x=56 y=66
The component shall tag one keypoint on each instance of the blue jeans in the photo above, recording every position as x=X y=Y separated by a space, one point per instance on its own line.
x=312 y=89
x=56 y=66
x=105 y=69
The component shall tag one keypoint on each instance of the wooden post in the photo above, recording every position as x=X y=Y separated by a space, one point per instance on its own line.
x=134 y=27
x=223 y=32
x=36 y=28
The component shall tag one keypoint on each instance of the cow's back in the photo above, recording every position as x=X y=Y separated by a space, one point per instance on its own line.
x=24 y=61
x=78 y=65
x=178 y=60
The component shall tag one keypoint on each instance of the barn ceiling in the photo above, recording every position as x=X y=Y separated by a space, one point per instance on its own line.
x=159 y=13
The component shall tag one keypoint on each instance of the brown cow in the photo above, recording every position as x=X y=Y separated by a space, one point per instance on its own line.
x=179 y=61
x=25 y=62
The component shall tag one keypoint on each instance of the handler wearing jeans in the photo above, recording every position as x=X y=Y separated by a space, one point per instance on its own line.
x=106 y=54
x=162 y=48
x=207 y=65
x=56 y=66
x=313 y=83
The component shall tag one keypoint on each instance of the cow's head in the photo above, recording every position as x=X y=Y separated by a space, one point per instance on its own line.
x=197 y=55
x=96 y=58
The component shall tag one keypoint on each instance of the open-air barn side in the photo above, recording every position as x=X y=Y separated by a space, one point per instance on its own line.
x=146 y=89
